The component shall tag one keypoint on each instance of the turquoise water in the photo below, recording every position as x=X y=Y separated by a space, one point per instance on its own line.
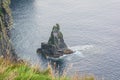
x=90 y=27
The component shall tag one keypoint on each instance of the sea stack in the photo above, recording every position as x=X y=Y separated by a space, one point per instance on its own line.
x=55 y=47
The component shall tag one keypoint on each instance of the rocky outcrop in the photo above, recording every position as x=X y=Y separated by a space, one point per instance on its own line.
x=56 y=46
x=6 y=48
x=56 y=38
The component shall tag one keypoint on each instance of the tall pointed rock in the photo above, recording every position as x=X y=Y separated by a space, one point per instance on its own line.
x=55 y=47
x=56 y=38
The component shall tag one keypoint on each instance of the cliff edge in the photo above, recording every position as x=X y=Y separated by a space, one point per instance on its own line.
x=6 y=48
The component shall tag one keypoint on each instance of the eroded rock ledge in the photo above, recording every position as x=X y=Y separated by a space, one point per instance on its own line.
x=55 y=47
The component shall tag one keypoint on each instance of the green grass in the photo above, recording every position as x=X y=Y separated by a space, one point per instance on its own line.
x=22 y=71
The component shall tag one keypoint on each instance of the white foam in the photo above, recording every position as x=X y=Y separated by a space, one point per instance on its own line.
x=61 y=57
x=81 y=48
x=78 y=53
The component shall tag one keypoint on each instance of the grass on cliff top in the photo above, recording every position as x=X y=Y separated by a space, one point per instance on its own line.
x=23 y=71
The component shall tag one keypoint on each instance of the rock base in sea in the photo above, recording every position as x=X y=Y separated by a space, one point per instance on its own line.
x=55 y=47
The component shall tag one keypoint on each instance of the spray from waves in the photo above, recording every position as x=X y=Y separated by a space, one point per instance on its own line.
x=78 y=50
x=81 y=48
x=78 y=53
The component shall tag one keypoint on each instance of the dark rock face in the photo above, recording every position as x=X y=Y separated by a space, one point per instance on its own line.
x=56 y=46
x=56 y=38
x=6 y=48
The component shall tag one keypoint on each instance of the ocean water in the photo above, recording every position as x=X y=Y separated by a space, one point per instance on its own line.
x=90 y=27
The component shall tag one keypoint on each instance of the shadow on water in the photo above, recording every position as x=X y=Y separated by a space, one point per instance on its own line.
x=58 y=65
x=21 y=4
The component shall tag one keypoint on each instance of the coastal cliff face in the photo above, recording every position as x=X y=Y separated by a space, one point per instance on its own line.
x=5 y=26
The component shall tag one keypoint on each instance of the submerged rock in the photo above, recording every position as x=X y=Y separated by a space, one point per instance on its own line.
x=55 y=47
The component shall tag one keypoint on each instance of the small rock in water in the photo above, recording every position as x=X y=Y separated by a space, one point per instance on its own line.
x=56 y=46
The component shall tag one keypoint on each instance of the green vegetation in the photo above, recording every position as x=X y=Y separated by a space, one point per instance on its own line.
x=0 y=11
x=22 y=71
